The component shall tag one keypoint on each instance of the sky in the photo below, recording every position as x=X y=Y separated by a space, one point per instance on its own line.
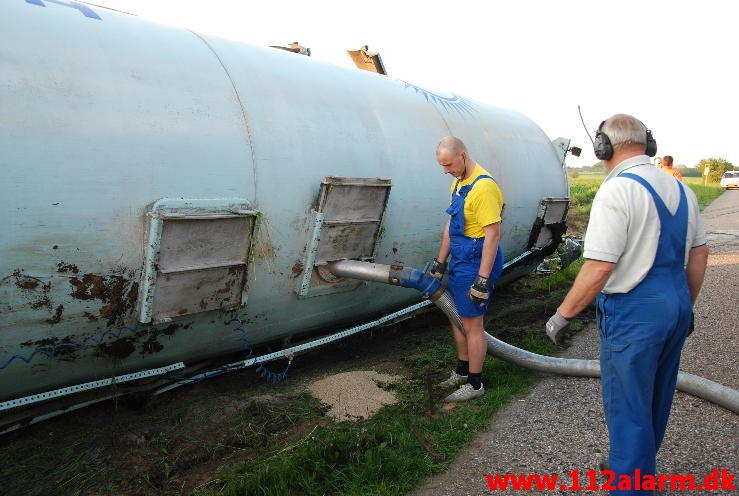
x=672 y=64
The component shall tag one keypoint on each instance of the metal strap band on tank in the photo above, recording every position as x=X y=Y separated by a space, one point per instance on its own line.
x=35 y=398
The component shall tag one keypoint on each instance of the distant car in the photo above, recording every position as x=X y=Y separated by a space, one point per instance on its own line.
x=730 y=180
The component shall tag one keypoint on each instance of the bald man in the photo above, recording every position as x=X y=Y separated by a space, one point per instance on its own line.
x=472 y=237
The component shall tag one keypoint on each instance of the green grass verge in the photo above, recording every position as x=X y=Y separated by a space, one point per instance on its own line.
x=705 y=194
x=582 y=191
x=584 y=187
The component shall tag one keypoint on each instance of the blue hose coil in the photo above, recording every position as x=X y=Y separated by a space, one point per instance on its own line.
x=261 y=370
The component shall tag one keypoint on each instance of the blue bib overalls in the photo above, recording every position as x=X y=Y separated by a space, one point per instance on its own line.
x=466 y=256
x=642 y=334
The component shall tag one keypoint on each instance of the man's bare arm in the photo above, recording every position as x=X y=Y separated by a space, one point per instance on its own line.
x=696 y=269
x=444 y=248
x=590 y=280
x=489 y=248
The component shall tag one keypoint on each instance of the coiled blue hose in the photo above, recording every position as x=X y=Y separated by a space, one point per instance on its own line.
x=261 y=370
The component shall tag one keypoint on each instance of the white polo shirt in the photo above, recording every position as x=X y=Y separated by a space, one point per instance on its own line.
x=624 y=226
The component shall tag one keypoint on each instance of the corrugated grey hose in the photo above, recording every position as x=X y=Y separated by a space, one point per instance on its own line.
x=430 y=287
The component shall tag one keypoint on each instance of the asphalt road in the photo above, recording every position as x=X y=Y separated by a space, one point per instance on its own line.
x=558 y=427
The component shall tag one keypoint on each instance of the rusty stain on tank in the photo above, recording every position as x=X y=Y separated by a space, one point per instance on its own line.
x=25 y=282
x=41 y=342
x=62 y=267
x=151 y=345
x=44 y=301
x=297 y=268
x=118 y=294
x=227 y=288
x=88 y=288
x=120 y=348
x=57 y=315
x=90 y=317
x=47 y=344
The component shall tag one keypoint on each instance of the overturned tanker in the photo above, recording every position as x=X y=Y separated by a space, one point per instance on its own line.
x=157 y=180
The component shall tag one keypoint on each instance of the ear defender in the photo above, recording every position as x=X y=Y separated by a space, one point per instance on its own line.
x=651 y=145
x=602 y=144
x=604 y=150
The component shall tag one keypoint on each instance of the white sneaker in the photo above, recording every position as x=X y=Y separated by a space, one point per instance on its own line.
x=466 y=392
x=453 y=380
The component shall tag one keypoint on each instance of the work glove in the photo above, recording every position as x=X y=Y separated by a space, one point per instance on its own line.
x=437 y=269
x=556 y=327
x=691 y=328
x=479 y=292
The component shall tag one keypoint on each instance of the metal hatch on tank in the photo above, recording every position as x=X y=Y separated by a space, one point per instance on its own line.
x=158 y=179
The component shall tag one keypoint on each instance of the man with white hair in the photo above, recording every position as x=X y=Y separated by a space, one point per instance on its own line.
x=645 y=258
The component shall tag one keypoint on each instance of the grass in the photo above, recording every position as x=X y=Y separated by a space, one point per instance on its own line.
x=584 y=187
x=582 y=191
x=705 y=194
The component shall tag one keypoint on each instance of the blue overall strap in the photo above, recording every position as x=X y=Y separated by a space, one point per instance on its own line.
x=456 y=207
x=469 y=186
x=673 y=228
x=662 y=209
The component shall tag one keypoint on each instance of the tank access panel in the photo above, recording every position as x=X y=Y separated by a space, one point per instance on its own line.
x=197 y=257
x=347 y=224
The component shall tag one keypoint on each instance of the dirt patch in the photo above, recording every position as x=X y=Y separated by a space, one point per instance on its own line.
x=354 y=395
x=577 y=224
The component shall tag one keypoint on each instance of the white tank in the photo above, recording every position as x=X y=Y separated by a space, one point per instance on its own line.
x=154 y=178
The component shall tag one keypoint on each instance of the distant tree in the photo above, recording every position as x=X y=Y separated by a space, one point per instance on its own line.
x=689 y=171
x=718 y=167
x=596 y=168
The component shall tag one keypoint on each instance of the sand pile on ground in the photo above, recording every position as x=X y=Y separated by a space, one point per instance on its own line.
x=354 y=395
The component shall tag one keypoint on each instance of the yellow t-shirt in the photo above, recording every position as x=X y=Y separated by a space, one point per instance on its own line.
x=483 y=205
